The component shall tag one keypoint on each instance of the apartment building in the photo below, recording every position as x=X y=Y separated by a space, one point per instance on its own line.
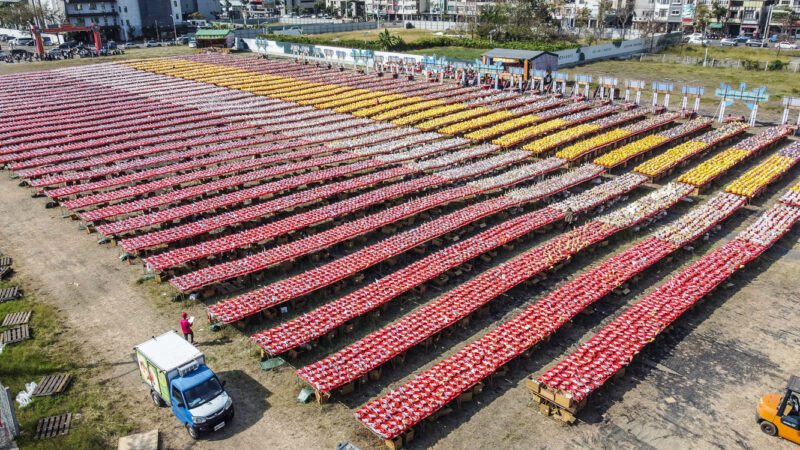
x=347 y=8
x=102 y=13
x=426 y=9
x=662 y=15
x=748 y=17
x=466 y=8
x=777 y=20
x=568 y=12
x=396 y=9
x=208 y=8
x=125 y=19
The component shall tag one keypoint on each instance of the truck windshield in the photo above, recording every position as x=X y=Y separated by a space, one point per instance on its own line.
x=203 y=392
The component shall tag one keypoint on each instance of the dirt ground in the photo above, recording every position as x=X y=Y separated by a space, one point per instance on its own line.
x=695 y=387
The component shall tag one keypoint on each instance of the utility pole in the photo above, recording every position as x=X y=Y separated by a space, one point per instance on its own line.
x=769 y=21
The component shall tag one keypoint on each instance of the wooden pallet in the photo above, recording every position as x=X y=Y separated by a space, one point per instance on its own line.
x=52 y=384
x=9 y=293
x=5 y=261
x=17 y=318
x=4 y=271
x=16 y=334
x=53 y=426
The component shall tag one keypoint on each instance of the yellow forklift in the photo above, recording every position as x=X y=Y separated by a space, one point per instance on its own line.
x=779 y=415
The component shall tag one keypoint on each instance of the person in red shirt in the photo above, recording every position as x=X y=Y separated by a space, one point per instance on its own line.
x=186 y=328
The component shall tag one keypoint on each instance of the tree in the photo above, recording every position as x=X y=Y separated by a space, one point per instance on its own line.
x=649 y=28
x=19 y=15
x=582 y=18
x=718 y=11
x=319 y=5
x=625 y=15
x=491 y=18
x=245 y=10
x=388 y=41
x=529 y=20
x=786 y=17
x=701 y=15
x=227 y=5
x=603 y=9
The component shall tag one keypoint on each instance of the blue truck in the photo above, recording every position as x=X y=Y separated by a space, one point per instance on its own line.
x=176 y=373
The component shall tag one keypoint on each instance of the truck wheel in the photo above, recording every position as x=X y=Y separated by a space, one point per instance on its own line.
x=193 y=432
x=157 y=399
x=768 y=428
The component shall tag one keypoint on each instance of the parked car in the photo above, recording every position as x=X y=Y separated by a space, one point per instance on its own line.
x=753 y=42
x=743 y=38
x=773 y=38
x=67 y=45
x=728 y=42
x=21 y=53
x=152 y=44
x=22 y=41
x=4 y=37
x=130 y=45
x=697 y=40
x=786 y=45
x=192 y=43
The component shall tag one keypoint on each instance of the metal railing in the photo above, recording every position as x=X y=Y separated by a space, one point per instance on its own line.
x=737 y=64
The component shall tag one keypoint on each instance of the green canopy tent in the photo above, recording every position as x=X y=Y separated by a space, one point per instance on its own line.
x=217 y=39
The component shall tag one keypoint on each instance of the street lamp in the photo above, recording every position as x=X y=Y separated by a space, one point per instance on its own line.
x=491 y=33
x=365 y=38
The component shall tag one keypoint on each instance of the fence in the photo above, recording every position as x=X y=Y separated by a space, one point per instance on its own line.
x=792 y=66
x=9 y=428
x=434 y=25
x=285 y=49
x=315 y=28
x=615 y=50
x=309 y=21
x=606 y=33
x=566 y=58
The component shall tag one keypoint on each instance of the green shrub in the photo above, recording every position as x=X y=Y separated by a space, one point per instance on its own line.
x=749 y=64
x=419 y=44
x=776 y=65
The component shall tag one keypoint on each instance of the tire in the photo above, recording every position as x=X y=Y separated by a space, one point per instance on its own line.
x=768 y=428
x=157 y=399
x=193 y=432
